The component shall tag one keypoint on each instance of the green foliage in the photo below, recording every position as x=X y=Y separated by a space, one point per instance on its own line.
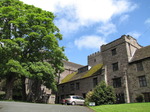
x=44 y=72
x=17 y=95
x=132 y=107
x=102 y=94
x=30 y=38
x=2 y=85
x=2 y=94
x=140 y=98
x=88 y=97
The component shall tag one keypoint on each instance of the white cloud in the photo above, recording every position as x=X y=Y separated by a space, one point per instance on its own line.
x=84 y=13
x=147 y=21
x=101 y=10
x=49 y=5
x=107 y=29
x=123 y=6
x=124 y=18
x=92 y=42
x=67 y=27
x=134 y=34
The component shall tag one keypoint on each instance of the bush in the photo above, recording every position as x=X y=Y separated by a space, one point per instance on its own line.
x=88 y=98
x=2 y=94
x=140 y=98
x=102 y=94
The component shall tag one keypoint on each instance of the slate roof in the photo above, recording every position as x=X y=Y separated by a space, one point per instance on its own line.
x=141 y=53
x=71 y=64
x=77 y=76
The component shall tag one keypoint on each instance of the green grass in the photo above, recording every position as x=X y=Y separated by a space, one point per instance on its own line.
x=132 y=107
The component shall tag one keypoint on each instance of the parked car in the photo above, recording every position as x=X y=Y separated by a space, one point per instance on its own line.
x=73 y=100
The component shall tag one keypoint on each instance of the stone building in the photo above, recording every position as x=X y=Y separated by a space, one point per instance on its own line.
x=122 y=63
x=44 y=94
x=69 y=67
x=80 y=82
x=139 y=74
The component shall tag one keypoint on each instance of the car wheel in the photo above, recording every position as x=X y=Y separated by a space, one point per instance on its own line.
x=73 y=103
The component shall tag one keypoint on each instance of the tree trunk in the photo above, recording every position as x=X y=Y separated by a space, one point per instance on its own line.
x=24 y=96
x=9 y=87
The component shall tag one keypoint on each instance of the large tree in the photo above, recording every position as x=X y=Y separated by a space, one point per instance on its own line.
x=29 y=41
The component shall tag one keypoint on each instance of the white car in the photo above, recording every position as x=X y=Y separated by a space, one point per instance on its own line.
x=74 y=100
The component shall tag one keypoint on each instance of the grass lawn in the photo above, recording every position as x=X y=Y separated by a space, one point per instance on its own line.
x=132 y=107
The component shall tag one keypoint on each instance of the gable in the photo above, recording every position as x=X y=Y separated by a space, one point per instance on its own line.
x=141 y=54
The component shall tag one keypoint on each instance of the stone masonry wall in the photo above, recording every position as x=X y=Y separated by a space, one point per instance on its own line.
x=133 y=74
x=85 y=85
x=95 y=58
x=125 y=48
x=69 y=68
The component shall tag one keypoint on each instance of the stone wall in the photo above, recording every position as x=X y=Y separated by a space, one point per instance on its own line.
x=133 y=79
x=85 y=85
x=120 y=58
x=125 y=48
x=95 y=58
x=69 y=68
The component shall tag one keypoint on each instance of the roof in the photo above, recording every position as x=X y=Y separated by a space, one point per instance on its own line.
x=71 y=64
x=141 y=54
x=77 y=76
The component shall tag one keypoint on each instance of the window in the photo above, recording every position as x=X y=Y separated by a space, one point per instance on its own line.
x=142 y=81
x=146 y=97
x=114 y=52
x=120 y=98
x=62 y=88
x=72 y=87
x=117 y=82
x=95 y=82
x=115 y=66
x=83 y=69
x=77 y=86
x=139 y=66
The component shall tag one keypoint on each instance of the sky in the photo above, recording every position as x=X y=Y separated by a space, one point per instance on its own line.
x=88 y=24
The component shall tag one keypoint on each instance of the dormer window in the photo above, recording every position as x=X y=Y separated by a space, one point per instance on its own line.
x=83 y=69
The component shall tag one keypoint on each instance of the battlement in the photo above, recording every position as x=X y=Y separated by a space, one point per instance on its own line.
x=94 y=58
x=121 y=40
x=94 y=54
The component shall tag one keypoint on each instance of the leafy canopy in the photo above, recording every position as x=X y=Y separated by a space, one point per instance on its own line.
x=30 y=38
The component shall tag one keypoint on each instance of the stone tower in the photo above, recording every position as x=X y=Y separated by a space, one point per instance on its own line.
x=116 y=56
x=95 y=58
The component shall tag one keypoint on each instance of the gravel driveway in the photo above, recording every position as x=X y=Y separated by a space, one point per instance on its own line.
x=33 y=107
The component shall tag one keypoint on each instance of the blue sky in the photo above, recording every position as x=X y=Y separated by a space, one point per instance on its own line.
x=88 y=24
